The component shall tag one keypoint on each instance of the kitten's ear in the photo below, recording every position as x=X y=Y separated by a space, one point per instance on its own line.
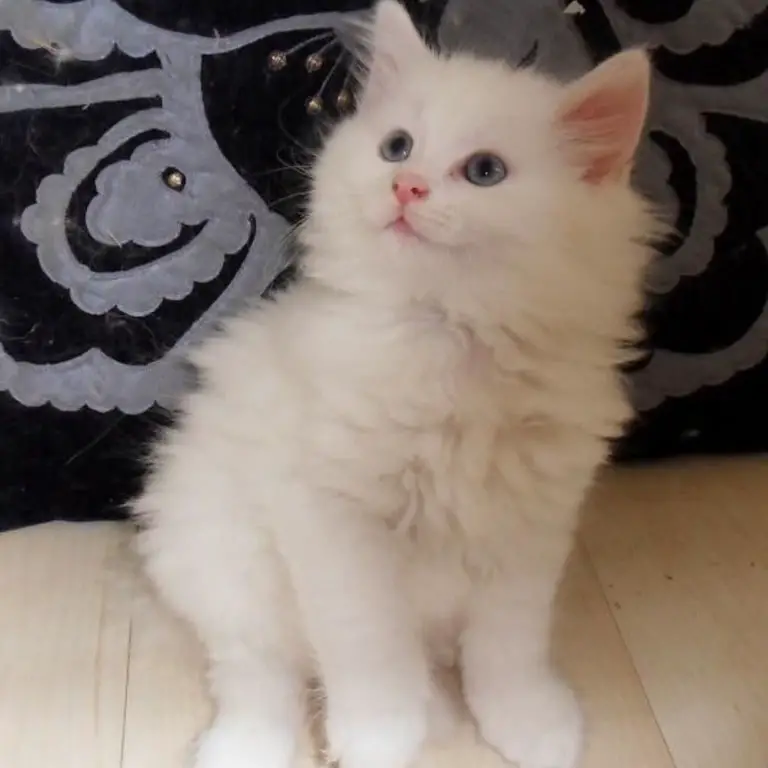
x=394 y=48
x=602 y=116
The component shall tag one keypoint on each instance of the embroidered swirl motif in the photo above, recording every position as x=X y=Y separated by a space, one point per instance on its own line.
x=112 y=227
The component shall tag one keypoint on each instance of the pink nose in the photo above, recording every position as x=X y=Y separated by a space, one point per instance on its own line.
x=409 y=187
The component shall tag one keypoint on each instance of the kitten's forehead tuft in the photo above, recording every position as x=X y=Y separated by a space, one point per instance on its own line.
x=489 y=82
x=479 y=99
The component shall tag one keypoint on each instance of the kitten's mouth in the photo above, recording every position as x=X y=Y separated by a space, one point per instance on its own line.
x=403 y=227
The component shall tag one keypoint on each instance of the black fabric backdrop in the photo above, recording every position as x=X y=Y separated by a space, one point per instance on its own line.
x=85 y=464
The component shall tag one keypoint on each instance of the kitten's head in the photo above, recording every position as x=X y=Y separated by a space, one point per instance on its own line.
x=480 y=188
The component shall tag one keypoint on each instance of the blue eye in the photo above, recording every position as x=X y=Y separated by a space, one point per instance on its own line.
x=396 y=147
x=485 y=170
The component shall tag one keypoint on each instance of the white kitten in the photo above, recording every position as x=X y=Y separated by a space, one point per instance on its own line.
x=383 y=468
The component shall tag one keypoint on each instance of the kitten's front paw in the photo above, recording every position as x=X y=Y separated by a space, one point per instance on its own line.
x=388 y=739
x=537 y=724
x=245 y=744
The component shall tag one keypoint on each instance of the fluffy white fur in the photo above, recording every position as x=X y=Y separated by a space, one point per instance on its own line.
x=382 y=471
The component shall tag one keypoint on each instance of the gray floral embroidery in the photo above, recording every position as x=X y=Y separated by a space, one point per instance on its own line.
x=132 y=205
x=216 y=197
x=158 y=212
x=516 y=30
x=670 y=373
x=708 y=22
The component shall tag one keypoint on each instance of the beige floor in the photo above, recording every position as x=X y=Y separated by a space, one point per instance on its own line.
x=663 y=630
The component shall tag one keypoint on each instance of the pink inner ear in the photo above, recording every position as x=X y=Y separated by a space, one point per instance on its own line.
x=595 y=111
x=603 y=127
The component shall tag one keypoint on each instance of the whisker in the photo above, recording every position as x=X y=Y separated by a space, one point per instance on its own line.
x=294 y=228
x=331 y=72
x=301 y=169
x=304 y=163
x=281 y=125
x=348 y=76
x=316 y=38
x=286 y=198
x=325 y=48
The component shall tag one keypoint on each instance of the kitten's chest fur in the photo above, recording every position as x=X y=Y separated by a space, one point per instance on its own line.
x=450 y=525
x=447 y=476
x=436 y=415
x=425 y=373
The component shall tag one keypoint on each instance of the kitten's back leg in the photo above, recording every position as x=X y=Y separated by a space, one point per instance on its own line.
x=215 y=566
